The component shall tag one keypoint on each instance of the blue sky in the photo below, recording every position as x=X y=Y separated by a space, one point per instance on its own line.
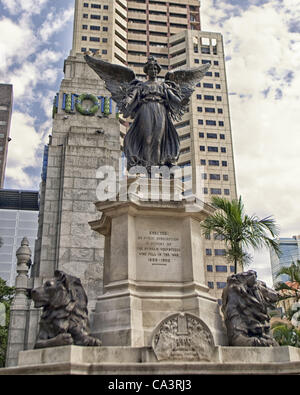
x=262 y=48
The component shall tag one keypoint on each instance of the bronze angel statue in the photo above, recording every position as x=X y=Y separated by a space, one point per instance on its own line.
x=152 y=139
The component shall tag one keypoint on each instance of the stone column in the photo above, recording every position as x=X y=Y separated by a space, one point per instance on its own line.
x=20 y=306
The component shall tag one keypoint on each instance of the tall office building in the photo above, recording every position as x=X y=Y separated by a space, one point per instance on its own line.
x=6 y=101
x=18 y=218
x=290 y=252
x=127 y=32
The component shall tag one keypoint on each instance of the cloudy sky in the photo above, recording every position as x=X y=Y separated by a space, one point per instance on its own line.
x=262 y=48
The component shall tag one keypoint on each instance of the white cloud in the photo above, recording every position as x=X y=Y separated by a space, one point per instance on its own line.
x=19 y=6
x=23 y=149
x=17 y=42
x=54 y=24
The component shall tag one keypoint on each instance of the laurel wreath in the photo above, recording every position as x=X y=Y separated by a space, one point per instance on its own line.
x=90 y=111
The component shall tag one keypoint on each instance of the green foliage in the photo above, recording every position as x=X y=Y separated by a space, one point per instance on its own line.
x=293 y=271
x=240 y=231
x=286 y=336
x=6 y=297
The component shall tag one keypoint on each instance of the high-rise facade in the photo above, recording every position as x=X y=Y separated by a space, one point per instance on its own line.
x=18 y=218
x=127 y=32
x=6 y=101
x=290 y=252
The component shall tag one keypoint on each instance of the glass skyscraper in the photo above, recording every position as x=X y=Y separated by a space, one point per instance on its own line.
x=18 y=218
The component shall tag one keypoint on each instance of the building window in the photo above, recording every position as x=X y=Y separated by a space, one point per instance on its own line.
x=208 y=97
x=218 y=86
x=202 y=148
x=220 y=111
x=205 y=191
x=216 y=62
x=85 y=4
x=221 y=123
x=84 y=27
x=208 y=85
x=95 y=5
x=95 y=28
x=210 y=122
x=202 y=162
x=208 y=251
x=97 y=39
x=222 y=136
x=225 y=177
x=210 y=284
x=224 y=163
x=219 y=98
x=226 y=192
x=223 y=149
x=216 y=191
x=221 y=268
x=201 y=134
x=215 y=177
x=212 y=149
x=210 y=109
x=209 y=268
x=213 y=163
x=95 y=16
x=199 y=109
x=199 y=97
x=85 y=15
x=212 y=135
x=84 y=38
x=221 y=285
x=220 y=252
x=217 y=74
x=205 y=50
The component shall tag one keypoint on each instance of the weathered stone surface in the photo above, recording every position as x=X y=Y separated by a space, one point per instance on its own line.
x=183 y=337
x=119 y=361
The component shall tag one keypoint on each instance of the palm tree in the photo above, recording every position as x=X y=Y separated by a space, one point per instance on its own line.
x=240 y=231
x=293 y=271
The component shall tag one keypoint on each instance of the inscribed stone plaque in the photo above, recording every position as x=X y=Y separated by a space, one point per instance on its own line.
x=183 y=337
x=158 y=253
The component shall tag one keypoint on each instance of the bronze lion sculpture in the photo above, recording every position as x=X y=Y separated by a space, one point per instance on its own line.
x=245 y=303
x=64 y=320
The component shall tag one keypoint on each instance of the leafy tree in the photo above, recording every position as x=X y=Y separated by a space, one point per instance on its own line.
x=6 y=297
x=286 y=336
x=239 y=230
x=293 y=272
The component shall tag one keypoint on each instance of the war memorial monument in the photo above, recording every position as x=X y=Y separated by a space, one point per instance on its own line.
x=155 y=315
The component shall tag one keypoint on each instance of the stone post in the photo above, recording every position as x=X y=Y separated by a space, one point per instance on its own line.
x=20 y=306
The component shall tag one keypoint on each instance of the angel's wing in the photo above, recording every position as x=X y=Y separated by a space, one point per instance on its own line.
x=187 y=79
x=116 y=77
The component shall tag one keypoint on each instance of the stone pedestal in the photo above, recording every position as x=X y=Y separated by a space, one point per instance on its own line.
x=120 y=361
x=153 y=264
